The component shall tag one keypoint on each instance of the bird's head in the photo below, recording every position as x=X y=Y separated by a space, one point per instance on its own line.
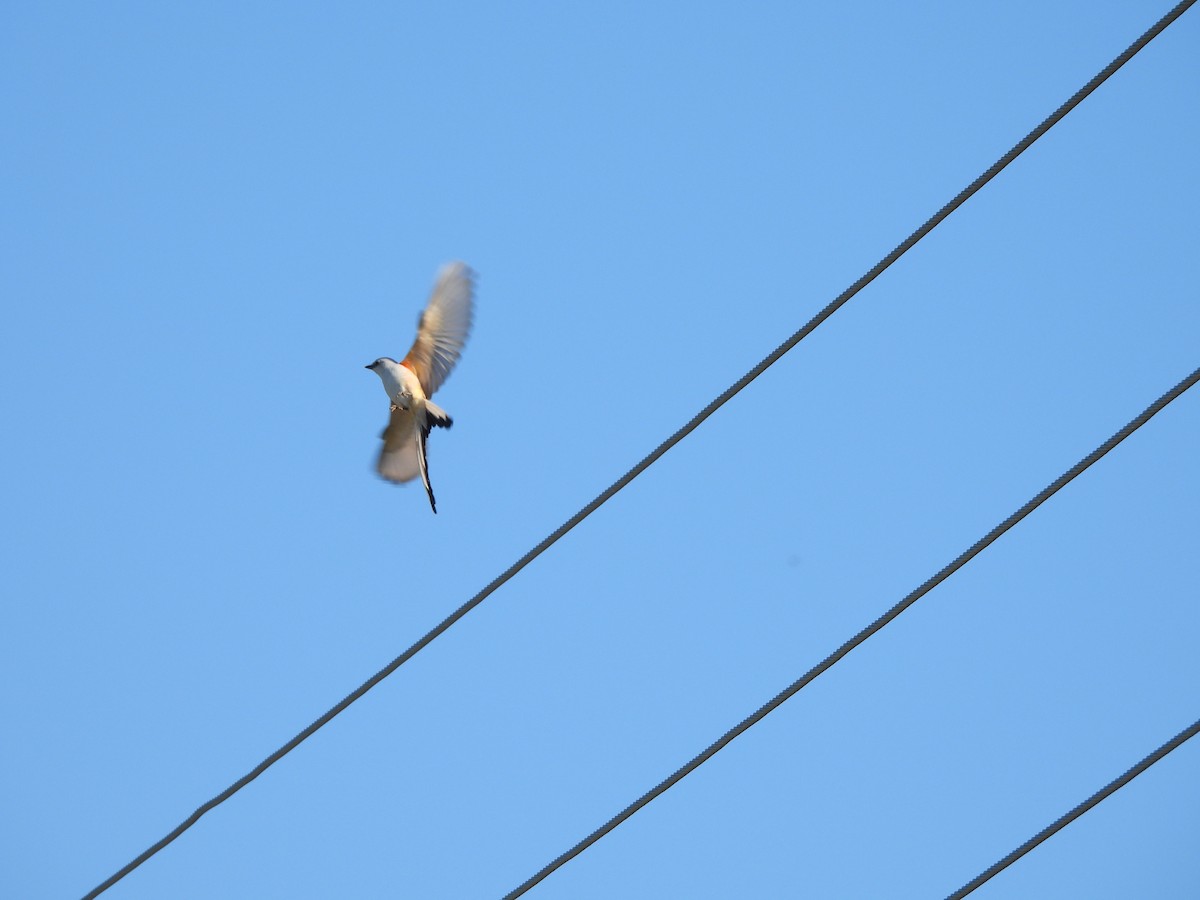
x=385 y=364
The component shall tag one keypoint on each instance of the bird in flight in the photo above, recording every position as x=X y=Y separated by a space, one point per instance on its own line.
x=441 y=333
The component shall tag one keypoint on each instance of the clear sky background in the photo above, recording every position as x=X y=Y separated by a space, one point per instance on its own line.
x=213 y=215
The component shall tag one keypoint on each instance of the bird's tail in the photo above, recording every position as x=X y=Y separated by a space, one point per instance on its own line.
x=422 y=461
x=435 y=415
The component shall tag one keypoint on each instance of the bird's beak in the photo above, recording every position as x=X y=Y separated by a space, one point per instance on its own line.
x=371 y=366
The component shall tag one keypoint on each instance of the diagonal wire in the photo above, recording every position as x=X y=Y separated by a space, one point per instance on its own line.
x=837 y=655
x=836 y=304
x=1111 y=788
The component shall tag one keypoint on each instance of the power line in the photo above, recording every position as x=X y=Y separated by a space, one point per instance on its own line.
x=773 y=357
x=1110 y=788
x=837 y=655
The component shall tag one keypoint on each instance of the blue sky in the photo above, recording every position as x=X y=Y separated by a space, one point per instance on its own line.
x=214 y=215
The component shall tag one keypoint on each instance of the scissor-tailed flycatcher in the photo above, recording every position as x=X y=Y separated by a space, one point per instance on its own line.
x=441 y=333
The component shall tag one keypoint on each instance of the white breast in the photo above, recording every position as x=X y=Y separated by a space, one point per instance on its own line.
x=398 y=379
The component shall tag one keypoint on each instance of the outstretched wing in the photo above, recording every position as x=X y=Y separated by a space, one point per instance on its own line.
x=444 y=327
x=398 y=460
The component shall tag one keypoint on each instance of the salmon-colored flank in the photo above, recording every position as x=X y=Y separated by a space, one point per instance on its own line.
x=404 y=362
